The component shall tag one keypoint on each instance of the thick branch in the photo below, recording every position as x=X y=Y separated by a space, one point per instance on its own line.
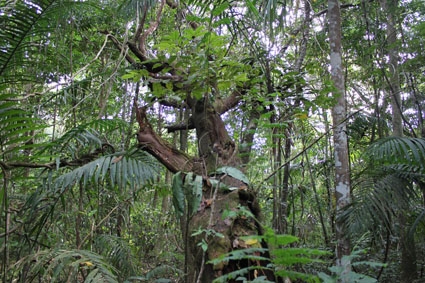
x=173 y=159
x=154 y=25
x=185 y=125
x=222 y=106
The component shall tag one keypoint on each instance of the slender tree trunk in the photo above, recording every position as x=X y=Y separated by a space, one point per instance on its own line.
x=390 y=8
x=342 y=173
x=78 y=219
x=5 y=205
x=279 y=220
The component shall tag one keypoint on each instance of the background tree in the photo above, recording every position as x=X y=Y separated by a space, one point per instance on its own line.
x=342 y=170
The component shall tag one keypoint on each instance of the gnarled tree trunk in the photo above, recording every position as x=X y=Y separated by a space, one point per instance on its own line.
x=216 y=149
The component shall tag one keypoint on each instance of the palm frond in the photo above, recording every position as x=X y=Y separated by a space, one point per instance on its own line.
x=129 y=7
x=86 y=135
x=375 y=202
x=26 y=27
x=393 y=150
x=387 y=186
x=163 y=271
x=60 y=265
x=17 y=20
x=133 y=168
x=16 y=126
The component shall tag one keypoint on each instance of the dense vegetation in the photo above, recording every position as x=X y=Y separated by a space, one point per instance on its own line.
x=200 y=141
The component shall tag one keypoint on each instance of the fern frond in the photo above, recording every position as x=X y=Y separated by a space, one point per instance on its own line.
x=239 y=274
x=249 y=253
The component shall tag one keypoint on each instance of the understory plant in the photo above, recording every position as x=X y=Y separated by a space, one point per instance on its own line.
x=282 y=258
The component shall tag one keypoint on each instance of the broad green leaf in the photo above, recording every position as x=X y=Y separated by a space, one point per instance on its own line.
x=233 y=172
x=178 y=194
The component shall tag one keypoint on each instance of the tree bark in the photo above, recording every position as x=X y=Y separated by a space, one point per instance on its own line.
x=342 y=172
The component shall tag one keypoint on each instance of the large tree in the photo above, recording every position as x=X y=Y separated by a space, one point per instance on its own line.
x=205 y=95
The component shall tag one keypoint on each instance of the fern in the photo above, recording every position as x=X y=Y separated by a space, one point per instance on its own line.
x=281 y=261
x=339 y=274
x=240 y=275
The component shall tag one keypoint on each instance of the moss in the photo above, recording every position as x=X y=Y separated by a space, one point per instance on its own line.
x=217 y=247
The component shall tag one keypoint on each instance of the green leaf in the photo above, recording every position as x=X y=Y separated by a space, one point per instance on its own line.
x=193 y=191
x=178 y=194
x=233 y=172
x=220 y=9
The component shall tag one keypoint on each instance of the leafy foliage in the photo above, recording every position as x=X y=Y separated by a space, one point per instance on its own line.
x=18 y=21
x=118 y=253
x=59 y=265
x=233 y=172
x=60 y=68
x=16 y=126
